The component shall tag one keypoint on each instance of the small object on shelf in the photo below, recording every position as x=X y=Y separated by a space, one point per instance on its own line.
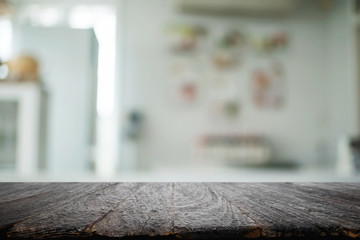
x=24 y=68
x=4 y=70
x=6 y=8
x=348 y=161
x=236 y=150
x=134 y=124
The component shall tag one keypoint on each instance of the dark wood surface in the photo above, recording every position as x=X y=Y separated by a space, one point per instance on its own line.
x=179 y=210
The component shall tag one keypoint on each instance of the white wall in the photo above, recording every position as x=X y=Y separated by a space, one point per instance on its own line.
x=298 y=131
x=342 y=71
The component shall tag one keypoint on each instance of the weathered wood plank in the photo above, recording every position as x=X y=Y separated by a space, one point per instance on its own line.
x=277 y=215
x=322 y=202
x=74 y=217
x=345 y=217
x=201 y=212
x=180 y=210
x=26 y=190
x=344 y=190
x=4 y=186
x=20 y=189
x=342 y=201
x=18 y=210
x=148 y=212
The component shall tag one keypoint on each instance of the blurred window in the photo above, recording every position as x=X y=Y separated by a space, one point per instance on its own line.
x=103 y=20
x=41 y=15
x=5 y=38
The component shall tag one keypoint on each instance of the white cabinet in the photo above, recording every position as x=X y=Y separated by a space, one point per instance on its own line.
x=20 y=106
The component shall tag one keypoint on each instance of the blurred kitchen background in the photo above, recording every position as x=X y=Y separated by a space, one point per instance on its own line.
x=179 y=90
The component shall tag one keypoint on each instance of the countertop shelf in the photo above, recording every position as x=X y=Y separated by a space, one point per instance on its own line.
x=179 y=210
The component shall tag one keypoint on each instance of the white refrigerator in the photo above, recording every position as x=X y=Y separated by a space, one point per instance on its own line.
x=68 y=67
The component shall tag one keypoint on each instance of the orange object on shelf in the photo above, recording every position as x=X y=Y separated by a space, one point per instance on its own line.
x=24 y=68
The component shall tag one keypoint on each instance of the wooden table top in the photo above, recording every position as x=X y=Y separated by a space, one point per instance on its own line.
x=179 y=210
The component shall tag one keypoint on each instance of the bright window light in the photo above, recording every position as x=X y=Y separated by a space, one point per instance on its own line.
x=103 y=20
x=86 y=16
x=5 y=38
x=45 y=16
x=50 y=17
x=82 y=17
x=105 y=30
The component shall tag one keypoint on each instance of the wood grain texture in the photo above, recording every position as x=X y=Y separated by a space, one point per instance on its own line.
x=345 y=210
x=272 y=214
x=282 y=212
x=74 y=217
x=147 y=212
x=180 y=210
x=22 y=190
x=28 y=206
x=201 y=212
x=334 y=190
